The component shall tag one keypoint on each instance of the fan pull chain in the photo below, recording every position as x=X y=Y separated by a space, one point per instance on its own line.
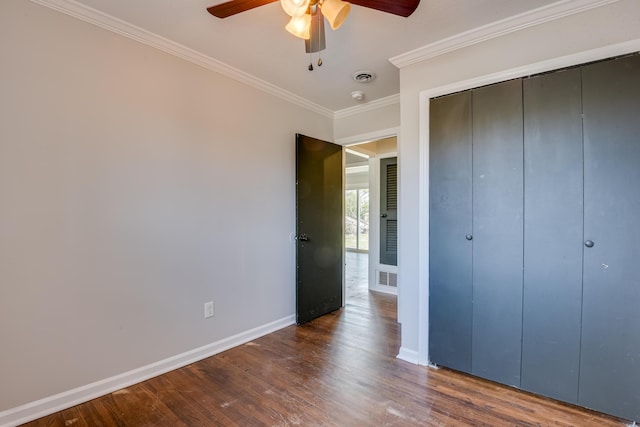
x=310 y=62
x=319 y=54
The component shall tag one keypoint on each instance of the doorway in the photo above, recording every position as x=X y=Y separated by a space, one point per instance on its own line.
x=366 y=192
x=357 y=224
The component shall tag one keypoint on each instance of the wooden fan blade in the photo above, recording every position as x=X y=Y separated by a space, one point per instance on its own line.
x=396 y=7
x=224 y=10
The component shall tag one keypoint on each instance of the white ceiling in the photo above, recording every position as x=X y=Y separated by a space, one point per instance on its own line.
x=257 y=43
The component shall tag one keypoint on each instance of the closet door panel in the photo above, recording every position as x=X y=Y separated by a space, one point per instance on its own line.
x=553 y=209
x=610 y=356
x=497 y=232
x=450 y=305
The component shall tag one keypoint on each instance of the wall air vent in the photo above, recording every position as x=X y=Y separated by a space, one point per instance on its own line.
x=387 y=278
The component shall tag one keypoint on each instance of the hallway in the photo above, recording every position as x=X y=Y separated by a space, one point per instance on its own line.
x=356 y=273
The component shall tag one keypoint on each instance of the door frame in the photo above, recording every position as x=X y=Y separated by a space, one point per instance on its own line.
x=374 y=198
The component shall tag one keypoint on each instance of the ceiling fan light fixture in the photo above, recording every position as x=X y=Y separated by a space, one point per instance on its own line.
x=295 y=8
x=336 y=11
x=300 y=26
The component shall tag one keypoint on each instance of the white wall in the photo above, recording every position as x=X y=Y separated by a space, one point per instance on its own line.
x=357 y=180
x=365 y=122
x=134 y=186
x=611 y=28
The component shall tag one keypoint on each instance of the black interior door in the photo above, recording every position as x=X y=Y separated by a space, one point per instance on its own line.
x=319 y=228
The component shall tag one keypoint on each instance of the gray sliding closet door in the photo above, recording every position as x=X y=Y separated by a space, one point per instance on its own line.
x=497 y=232
x=610 y=358
x=553 y=210
x=450 y=296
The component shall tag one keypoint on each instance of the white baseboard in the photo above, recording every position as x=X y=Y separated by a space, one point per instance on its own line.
x=384 y=289
x=49 y=405
x=410 y=356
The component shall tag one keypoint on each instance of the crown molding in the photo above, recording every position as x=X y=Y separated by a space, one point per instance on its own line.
x=373 y=105
x=490 y=31
x=368 y=137
x=123 y=28
x=584 y=57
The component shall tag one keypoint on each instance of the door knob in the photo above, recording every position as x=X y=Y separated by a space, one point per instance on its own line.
x=468 y=237
x=589 y=243
x=303 y=237
x=383 y=216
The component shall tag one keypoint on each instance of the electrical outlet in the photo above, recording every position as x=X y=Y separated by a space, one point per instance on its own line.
x=208 y=309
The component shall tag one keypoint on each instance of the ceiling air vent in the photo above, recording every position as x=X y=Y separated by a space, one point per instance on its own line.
x=363 y=76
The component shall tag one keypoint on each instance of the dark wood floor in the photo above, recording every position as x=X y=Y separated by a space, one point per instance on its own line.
x=339 y=370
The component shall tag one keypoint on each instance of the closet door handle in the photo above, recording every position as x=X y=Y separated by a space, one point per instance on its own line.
x=589 y=243
x=468 y=237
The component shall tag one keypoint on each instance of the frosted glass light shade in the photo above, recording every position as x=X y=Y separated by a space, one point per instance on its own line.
x=336 y=11
x=295 y=8
x=300 y=26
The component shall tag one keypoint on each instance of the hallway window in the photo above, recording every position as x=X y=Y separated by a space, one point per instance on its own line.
x=357 y=220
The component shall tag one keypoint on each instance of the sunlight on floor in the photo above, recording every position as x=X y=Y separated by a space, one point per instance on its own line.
x=356 y=273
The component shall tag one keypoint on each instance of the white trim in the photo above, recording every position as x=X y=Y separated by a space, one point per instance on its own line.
x=357 y=187
x=383 y=268
x=49 y=405
x=388 y=155
x=373 y=105
x=385 y=289
x=422 y=355
x=407 y=355
x=123 y=28
x=374 y=220
x=343 y=262
x=368 y=137
x=362 y=167
x=423 y=233
x=535 y=68
x=499 y=28
x=363 y=151
x=357 y=153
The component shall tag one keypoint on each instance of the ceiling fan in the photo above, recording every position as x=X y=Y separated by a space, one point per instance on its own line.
x=307 y=15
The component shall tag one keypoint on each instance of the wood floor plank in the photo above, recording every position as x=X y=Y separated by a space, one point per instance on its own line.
x=339 y=370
